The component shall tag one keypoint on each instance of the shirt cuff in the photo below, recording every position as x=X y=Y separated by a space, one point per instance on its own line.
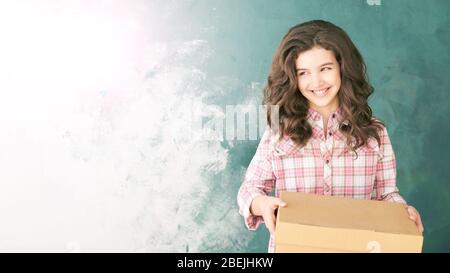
x=394 y=197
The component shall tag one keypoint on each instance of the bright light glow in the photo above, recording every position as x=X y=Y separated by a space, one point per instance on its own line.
x=52 y=50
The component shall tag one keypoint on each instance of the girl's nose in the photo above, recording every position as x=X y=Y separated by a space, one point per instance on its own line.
x=316 y=80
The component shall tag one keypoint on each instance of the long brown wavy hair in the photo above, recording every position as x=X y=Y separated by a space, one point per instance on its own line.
x=282 y=88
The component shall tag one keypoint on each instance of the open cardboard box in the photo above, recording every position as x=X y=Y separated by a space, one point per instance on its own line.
x=318 y=223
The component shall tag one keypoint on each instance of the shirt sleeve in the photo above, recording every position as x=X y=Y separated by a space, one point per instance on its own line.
x=259 y=180
x=385 y=179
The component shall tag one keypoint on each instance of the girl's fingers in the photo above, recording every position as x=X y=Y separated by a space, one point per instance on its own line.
x=415 y=216
x=412 y=213
x=419 y=223
x=270 y=222
x=269 y=214
x=281 y=203
x=277 y=202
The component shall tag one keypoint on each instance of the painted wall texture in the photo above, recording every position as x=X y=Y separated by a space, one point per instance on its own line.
x=111 y=115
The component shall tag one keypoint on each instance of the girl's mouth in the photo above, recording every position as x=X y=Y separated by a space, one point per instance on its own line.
x=321 y=92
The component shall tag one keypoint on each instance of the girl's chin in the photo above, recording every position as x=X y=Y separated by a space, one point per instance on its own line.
x=321 y=102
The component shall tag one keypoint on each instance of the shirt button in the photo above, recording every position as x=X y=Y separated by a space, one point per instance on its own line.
x=330 y=134
x=328 y=161
x=333 y=116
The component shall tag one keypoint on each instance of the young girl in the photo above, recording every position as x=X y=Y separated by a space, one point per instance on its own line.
x=326 y=140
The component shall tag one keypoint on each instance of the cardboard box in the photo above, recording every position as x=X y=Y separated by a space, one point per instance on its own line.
x=317 y=223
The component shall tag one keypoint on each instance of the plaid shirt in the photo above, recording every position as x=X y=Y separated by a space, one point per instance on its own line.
x=323 y=166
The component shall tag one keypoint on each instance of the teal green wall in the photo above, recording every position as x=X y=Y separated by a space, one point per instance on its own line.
x=405 y=44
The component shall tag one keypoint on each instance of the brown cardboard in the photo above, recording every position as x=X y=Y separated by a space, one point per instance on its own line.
x=318 y=223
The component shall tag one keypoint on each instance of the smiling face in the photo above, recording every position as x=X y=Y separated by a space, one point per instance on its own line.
x=319 y=79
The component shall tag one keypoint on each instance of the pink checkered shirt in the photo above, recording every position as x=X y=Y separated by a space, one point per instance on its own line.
x=323 y=166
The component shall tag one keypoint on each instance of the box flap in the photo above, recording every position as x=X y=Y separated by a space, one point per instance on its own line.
x=339 y=212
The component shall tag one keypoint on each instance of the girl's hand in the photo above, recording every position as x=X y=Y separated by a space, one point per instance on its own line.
x=265 y=206
x=415 y=216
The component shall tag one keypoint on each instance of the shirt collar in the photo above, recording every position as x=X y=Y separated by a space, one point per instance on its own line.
x=314 y=116
x=285 y=145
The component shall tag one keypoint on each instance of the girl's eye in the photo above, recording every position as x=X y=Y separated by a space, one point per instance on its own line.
x=326 y=68
x=301 y=73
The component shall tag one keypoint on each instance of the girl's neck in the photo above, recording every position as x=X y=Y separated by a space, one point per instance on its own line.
x=325 y=112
